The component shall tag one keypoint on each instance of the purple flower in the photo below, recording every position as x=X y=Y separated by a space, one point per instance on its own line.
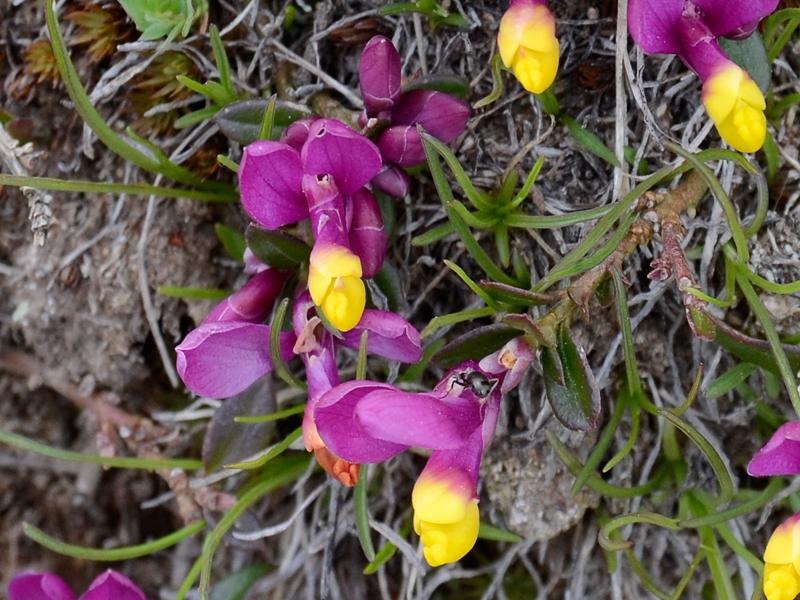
x=230 y=348
x=781 y=454
x=320 y=172
x=368 y=422
x=388 y=335
x=440 y=114
x=47 y=586
x=690 y=28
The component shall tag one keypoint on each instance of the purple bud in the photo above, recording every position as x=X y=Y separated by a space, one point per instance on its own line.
x=296 y=134
x=392 y=180
x=39 y=586
x=441 y=115
x=379 y=75
x=113 y=586
x=401 y=144
x=253 y=302
x=510 y=362
x=367 y=235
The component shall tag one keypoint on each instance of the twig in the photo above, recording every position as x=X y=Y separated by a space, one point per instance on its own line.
x=40 y=214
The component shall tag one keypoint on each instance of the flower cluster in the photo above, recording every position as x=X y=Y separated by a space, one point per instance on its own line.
x=691 y=29
x=324 y=171
x=48 y=586
x=397 y=113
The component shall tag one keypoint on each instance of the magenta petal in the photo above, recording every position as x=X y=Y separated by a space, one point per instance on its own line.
x=39 y=586
x=392 y=180
x=443 y=116
x=379 y=75
x=389 y=336
x=296 y=134
x=335 y=149
x=219 y=360
x=343 y=433
x=781 y=455
x=402 y=145
x=420 y=420
x=326 y=207
x=253 y=302
x=653 y=25
x=270 y=184
x=113 y=586
x=367 y=234
x=735 y=19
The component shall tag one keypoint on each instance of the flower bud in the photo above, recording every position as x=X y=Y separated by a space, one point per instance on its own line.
x=528 y=44
x=367 y=234
x=379 y=75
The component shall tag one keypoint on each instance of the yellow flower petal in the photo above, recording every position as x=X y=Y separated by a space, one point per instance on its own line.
x=439 y=501
x=345 y=302
x=447 y=543
x=736 y=105
x=335 y=261
x=783 y=547
x=781 y=582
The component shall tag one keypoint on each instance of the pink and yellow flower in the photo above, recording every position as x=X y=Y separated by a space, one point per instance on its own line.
x=782 y=561
x=368 y=422
x=528 y=44
x=690 y=29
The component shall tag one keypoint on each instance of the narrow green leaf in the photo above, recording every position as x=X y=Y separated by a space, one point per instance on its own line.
x=111 y=554
x=490 y=532
x=588 y=140
x=386 y=552
x=221 y=59
x=281 y=370
x=470 y=283
x=362 y=515
x=236 y=585
x=233 y=241
x=192 y=293
x=276 y=416
x=268 y=123
x=497 y=84
x=268 y=454
x=729 y=380
x=361 y=362
x=99 y=187
x=122 y=462
x=276 y=249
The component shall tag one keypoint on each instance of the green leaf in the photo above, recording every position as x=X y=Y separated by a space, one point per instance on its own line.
x=362 y=514
x=111 y=554
x=514 y=295
x=751 y=55
x=752 y=350
x=388 y=281
x=241 y=121
x=223 y=65
x=588 y=140
x=729 y=380
x=571 y=388
x=227 y=441
x=233 y=241
x=276 y=249
x=475 y=344
x=195 y=117
x=236 y=585
x=490 y=532
x=192 y=293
